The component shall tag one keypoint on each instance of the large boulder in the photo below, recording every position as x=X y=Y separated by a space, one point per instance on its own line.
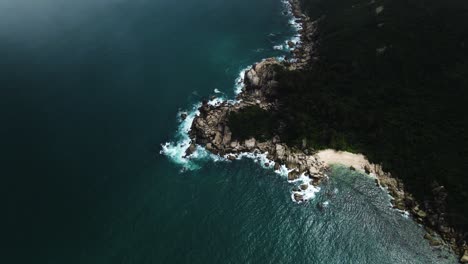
x=292 y=175
x=261 y=75
x=234 y=144
x=250 y=143
x=432 y=240
x=313 y=170
x=280 y=151
x=298 y=197
x=251 y=78
x=190 y=150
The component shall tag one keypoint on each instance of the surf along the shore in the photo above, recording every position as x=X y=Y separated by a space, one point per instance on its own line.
x=204 y=132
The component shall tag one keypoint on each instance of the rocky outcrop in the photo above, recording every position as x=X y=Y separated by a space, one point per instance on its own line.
x=210 y=129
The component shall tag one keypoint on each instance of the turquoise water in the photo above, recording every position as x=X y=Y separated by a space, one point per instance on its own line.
x=90 y=91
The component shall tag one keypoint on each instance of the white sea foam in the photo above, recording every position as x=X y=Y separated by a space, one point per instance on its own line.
x=281 y=58
x=296 y=39
x=176 y=149
x=306 y=194
x=257 y=157
x=283 y=171
x=239 y=82
x=279 y=47
x=215 y=102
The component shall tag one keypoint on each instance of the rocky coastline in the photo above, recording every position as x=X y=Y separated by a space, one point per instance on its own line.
x=210 y=130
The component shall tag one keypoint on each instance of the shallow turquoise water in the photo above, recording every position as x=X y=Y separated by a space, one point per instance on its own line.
x=90 y=91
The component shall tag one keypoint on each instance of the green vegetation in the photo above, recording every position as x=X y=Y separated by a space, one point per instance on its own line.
x=392 y=85
x=251 y=121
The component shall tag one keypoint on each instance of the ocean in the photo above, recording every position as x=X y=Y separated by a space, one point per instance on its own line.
x=92 y=92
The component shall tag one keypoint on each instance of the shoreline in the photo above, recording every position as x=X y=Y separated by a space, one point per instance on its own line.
x=209 y=129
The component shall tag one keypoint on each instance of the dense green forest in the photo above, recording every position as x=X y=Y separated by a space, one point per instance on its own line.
x=391 y=82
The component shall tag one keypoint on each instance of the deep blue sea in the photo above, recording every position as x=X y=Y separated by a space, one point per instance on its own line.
x=91 y=90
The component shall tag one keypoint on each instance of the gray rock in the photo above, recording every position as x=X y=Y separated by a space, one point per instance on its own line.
x=218 y=139
x=190 y=150
x=250 y=143
x=298 y=197
x=280 y=151
x=432 y=240
x=251 y=78
x=234 y=144
x=293 y=175
x=313 y=170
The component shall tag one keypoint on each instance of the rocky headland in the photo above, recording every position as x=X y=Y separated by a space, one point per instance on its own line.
x=210 y=129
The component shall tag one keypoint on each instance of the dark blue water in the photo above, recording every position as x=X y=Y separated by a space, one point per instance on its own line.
x=89 y=92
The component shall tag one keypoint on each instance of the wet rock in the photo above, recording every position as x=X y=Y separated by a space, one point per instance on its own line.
x=432 y=240
x=298 y=197
x=320 y=207
x=292 y=175
x=183 y=116
x=304 y=187
x=190 y=150
x=367 y=169
x=420 y=213
x=399 y=204
x=209 y=146
x=377 y=182
x=277 y=166
x=291 y=44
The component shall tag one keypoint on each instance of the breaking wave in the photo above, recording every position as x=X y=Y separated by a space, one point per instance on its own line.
x=176 y=150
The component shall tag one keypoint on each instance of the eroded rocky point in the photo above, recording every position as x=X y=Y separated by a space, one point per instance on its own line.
x=210 y=129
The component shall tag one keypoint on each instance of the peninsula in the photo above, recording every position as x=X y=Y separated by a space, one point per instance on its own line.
x=339 y=94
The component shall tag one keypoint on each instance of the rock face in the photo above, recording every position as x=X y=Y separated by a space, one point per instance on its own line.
x=260 y=79
x=210 y=128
